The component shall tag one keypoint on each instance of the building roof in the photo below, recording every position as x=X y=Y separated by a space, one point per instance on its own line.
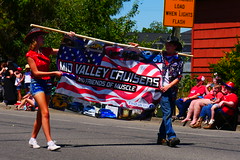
x=186 y=37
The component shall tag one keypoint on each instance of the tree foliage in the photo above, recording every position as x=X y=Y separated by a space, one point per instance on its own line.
x=156 y=27
x=228 y=66
x=86 y=17
x=185 y=85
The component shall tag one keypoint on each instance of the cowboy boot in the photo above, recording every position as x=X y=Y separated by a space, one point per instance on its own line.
x=198 y=124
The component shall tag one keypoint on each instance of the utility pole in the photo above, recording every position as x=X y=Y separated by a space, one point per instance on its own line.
x=175 y=32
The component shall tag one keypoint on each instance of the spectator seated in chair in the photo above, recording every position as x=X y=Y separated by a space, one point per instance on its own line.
x=227 y=107
x=214 y=96
x=195 y=93
x=226 y=122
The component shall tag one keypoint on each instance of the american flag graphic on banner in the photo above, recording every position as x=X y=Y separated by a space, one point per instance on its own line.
x=104 y=74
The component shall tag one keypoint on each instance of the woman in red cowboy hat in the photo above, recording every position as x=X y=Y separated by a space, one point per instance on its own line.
x=40 y=88
x=226 y=106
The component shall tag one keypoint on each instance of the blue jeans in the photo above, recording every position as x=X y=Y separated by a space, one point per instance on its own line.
x=167 y=105
x=182 y=107
x=206 y=111
x=40 y=85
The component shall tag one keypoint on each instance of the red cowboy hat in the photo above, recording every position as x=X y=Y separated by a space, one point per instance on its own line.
x=230 y=85
x=33 y=33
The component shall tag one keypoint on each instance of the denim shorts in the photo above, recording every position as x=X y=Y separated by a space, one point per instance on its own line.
x=40 y=85
x=18 y=87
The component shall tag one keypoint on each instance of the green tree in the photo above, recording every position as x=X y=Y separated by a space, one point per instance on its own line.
x=15 y=23
x=185 y=85
x=156 y=27
x=228 y=66
x=87 y=17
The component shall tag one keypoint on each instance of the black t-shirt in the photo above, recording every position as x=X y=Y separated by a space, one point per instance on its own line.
x=9 y=67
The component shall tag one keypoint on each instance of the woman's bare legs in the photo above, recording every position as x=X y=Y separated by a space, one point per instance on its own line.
x=190 y=111
x=42 y=116
x=22 y=104
x=30 y=101
x=24 y=101
x=197 y=109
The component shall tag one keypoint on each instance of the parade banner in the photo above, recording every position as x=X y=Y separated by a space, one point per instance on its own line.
x=109 y=74
x=107 y=79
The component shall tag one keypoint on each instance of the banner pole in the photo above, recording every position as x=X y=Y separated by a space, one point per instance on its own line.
x=108 y=42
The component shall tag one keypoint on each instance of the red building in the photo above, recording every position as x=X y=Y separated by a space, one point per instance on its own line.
x=216 y=26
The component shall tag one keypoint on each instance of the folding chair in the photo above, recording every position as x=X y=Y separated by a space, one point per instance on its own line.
x=226 y=122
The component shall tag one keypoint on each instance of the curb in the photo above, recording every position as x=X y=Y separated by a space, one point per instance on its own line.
x=178 y=122
x=153 y=119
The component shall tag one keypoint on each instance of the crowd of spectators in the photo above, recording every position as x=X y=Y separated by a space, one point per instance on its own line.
x=205 y=102
x=14 y=86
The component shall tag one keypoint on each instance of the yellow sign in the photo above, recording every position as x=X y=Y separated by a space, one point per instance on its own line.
x=179 y=13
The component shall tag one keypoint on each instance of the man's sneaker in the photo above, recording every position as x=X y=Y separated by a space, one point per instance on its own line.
x=33 y=143
x=52 y=146
x=173 y=142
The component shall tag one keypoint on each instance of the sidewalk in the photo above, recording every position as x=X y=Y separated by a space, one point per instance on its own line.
x=153 y=119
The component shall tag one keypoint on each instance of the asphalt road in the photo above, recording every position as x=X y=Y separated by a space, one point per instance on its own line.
x=88 y=138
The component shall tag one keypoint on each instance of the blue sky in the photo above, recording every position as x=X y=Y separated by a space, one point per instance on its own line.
x=150 y=10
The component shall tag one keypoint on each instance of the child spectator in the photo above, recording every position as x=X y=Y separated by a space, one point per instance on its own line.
x=27 y=78
x=18 y=83
x=216 y=80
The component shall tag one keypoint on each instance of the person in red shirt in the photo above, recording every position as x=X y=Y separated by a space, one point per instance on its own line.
x=227 y=106
x=40 y=87
x=214 y=96
x=195 y=92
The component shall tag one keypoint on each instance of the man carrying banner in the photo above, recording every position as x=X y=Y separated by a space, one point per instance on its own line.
x=172 y=73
